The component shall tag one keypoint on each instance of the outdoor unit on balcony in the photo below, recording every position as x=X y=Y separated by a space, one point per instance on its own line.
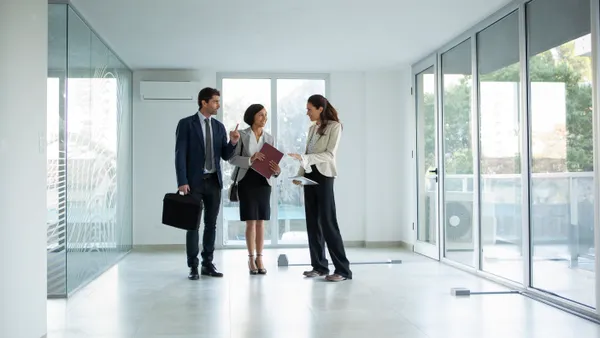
x=169 y=91
x=458 y=221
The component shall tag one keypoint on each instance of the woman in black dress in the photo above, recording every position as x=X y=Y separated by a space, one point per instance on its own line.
x=254 y=190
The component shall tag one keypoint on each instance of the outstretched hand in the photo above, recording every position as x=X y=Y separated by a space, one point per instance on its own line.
x=295 y=156
x=234 y=135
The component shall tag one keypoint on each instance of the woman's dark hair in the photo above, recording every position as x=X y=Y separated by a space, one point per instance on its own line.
x=206 y=94
x=328 y=114
x=251 y=111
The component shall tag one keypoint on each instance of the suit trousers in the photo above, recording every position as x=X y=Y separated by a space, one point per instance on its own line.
x=322 y=226
x=210 y=194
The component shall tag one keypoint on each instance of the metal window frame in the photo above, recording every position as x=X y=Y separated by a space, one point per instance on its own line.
x=432 y=61
x=476 y=263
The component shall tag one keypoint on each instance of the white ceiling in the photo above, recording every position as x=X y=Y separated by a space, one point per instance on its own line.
x=280 y=35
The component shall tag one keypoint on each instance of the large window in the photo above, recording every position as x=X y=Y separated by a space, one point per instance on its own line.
x=500 y=148
x=459 y=196
x=562 y=172
x=285 y=102
x=238 y=94
x=292 y=128
x=524 y=123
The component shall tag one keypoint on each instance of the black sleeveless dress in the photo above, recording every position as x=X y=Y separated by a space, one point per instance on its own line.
x=255 y=197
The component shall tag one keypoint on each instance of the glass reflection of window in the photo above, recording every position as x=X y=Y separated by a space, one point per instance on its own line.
x=459 y=197
x=562 y=176
x=500 y=149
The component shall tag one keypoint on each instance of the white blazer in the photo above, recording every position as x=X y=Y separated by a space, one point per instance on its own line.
x=242 y=160
x=323 y=153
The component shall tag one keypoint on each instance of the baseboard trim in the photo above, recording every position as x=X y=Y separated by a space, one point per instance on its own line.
x=353 y=244
x=348 y=244
x=407 y=246
x=387 y=244
x=158 y=247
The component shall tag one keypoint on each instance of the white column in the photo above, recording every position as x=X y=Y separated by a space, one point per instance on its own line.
x=23 y=73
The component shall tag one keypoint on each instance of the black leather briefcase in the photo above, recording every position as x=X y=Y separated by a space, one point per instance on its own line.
x=181 y=211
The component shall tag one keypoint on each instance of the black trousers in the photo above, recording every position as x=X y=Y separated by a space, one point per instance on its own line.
x=322 y=225
x=210 y=194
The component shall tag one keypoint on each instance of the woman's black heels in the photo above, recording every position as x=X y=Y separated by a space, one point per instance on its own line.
x=261 y=271
x=252 y=271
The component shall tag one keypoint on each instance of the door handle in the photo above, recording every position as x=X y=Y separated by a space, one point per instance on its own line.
x=433 y=171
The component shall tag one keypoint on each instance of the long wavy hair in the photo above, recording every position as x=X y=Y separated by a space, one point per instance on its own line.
x=329 y=113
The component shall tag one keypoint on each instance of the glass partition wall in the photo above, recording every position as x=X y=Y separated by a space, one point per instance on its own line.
x=89 y=183
x=516 y=115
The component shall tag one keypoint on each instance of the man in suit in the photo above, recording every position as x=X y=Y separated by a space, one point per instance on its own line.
x=201 y=143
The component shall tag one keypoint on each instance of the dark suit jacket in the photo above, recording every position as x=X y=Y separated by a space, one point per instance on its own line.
x=189 y=151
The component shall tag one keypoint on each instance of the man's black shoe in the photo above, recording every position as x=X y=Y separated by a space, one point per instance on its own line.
x=210 y=270
x=194 y=274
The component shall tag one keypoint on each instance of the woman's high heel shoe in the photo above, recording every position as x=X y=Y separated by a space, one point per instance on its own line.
x=252 y=271
x=261 y=271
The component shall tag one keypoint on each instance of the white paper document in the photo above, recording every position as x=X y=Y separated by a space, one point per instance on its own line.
x=303 y=180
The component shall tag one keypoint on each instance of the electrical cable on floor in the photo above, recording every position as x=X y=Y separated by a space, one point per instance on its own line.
x=467 y=292
x=283 y=261
x=495 y=292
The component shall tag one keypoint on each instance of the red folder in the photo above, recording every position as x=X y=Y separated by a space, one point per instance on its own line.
x=271 y=154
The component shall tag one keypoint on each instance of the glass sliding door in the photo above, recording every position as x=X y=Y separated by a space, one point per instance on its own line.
x=518 y=151
x=562 y=149
x=237 y=95
x=459 y=197
x=424 y=90
x=500 y=148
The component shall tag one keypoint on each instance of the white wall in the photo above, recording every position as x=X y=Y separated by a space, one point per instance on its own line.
x=389 y=179
x=23 y=69
x=348 y=97
x=154 y=126
x=372 y=190
x=408 y=164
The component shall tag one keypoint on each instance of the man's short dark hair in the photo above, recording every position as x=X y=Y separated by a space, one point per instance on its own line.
x=206 y=94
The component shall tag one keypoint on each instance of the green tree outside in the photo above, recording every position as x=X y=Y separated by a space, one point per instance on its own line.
x=565 y=67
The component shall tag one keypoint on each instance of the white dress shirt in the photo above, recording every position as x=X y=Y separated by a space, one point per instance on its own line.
x=255 y=146
x=203 y=125
x=246 y=147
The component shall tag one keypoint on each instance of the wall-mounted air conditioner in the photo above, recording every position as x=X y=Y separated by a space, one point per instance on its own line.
x=169 y=91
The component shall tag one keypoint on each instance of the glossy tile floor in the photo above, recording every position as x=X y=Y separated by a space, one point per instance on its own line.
x=147 y=295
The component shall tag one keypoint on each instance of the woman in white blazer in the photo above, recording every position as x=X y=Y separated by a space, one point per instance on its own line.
x=319 y=165
x=254 y=190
